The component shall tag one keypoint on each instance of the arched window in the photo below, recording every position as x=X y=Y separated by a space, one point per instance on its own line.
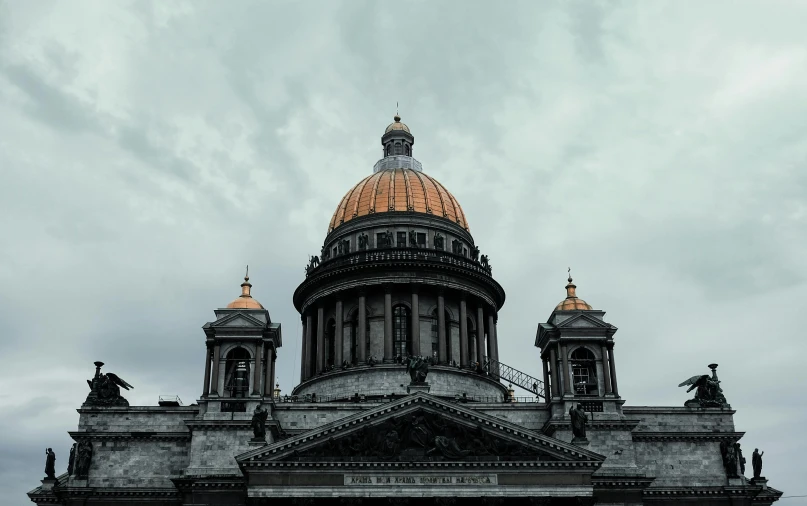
x=406 y=150
x=398 y=148
x=584 y=372
x=389 y=150
x=354 y=337
x=236 y=373
x=401 y=335
x=330 y=343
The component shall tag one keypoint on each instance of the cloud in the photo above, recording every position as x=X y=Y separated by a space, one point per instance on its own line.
x=148 y=152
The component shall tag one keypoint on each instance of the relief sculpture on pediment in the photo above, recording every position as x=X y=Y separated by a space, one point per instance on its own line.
x=418 y=436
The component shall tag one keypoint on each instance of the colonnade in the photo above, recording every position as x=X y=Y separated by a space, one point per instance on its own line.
x=313 y=335
x=558 y=375
x=263 y=361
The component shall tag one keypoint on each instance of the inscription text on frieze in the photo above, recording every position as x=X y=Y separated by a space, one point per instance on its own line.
x=421 y=479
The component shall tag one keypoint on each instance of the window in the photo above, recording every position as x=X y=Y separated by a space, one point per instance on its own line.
x=389 y=150
x=334 y=251
x=380 y=240
x=398 y=148
x=236 y=375
x=330 y=344
x=401 y=239
x=421 y=240
x=406 y=149
x=435 y=336
x=471 y=341
x=354 y=337
x=401 y=335
x=584 y=372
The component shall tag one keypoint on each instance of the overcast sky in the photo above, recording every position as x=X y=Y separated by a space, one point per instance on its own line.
x=149 y=151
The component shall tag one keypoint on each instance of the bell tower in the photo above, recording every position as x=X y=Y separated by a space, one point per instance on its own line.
x=397 y=139
x=577 y=351
x=241 y=349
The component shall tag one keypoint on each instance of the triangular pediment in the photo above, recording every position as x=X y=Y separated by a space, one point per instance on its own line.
x=582 y=320
x=419 y=428
x=238 y=320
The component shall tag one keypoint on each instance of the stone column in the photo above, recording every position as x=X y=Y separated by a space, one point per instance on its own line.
x=215 y=379
x=309 y=346
x=362 y=329
x=553 y=362
x=493 y=351
x=606 y=370
x=567 y=383
x=269 y=373
x=480 y=335
x=612 y=366
x=547 y=393
x=416 y=323
x=270 y=383
x=320 y=339
x=388 y=324
x=206 y=389
x=463 y=334
x=442 y=349
x=303 y=350
x=258 y=369
x=338 y=335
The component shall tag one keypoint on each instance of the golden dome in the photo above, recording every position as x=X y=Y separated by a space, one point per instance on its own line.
x=397 y=125
x=245 y=300
x=572 y=302
x=402 y=190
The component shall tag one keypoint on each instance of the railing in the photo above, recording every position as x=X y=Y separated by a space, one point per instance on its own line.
x=509 y=374
x=397 y=162
x=381 y=255
x=169 y=400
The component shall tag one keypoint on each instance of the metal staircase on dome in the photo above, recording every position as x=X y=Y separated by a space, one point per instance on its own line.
x=512 y=375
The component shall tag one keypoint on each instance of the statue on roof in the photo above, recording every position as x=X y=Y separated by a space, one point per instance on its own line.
x=756 y=463
x=50 y=464
x=105 y=389
x=258 y=423
x=708 y=393
x=579 y=419
x=418 y=369
x=83 y=459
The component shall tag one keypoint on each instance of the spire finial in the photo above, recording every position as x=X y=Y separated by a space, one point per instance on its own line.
x=570 y=288
x=246 y=285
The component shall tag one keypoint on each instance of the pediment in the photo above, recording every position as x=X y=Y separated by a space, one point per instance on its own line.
x=582 y=320
x=238 y=320
x=419 y=428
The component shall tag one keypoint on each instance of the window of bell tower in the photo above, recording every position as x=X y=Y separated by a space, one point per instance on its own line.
x=584 y=372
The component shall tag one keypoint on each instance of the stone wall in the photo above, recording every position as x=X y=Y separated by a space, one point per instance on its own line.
x=137 y=463
x=393 y=379
x=213 y=449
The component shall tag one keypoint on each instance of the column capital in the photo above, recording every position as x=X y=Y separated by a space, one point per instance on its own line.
x=387 y=288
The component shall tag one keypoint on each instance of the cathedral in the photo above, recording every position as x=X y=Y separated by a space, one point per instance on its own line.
x=402 y=397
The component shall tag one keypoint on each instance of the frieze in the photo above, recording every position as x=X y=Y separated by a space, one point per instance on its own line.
x=129 y=435
x=420 y=480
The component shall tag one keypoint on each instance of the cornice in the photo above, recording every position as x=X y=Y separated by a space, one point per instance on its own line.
x=130 y=435
x=553 y=425
x=686 y=436
x=224 y=424
x=699 y=492
x=583 y=466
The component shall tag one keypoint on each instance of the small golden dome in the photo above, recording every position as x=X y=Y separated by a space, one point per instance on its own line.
x=572 y=302
x=245 y=300
x=391 y=190
x=397 y=125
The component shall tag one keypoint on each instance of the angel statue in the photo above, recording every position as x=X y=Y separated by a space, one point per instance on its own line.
x=708 y=393
x=417 y=369
x=105 y=389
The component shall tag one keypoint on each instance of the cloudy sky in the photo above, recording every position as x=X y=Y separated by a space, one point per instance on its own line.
x=149 y=151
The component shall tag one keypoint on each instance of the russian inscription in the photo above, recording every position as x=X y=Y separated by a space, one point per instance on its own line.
x=423 y=479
